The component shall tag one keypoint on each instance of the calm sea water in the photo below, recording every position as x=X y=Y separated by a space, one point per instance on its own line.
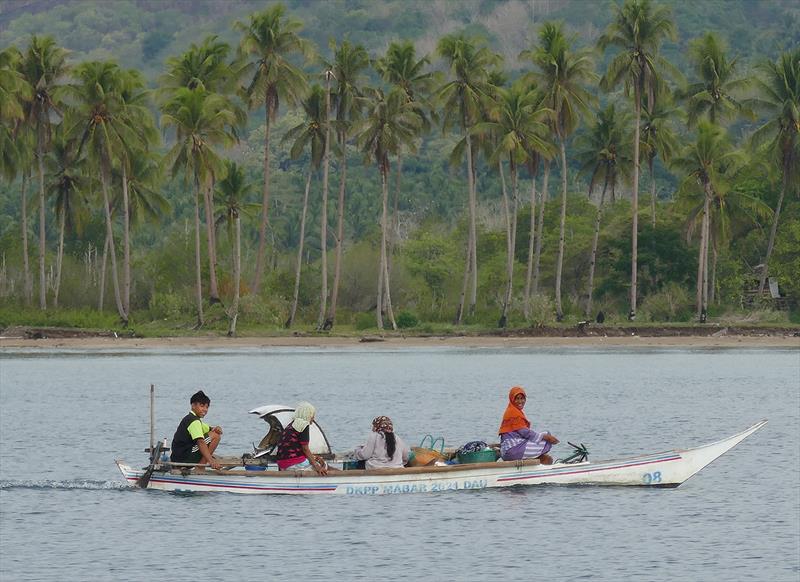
x=65 y=513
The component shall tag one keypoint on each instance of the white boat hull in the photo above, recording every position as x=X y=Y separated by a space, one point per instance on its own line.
x=667 y=469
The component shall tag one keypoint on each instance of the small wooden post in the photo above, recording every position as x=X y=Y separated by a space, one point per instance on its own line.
x=152 y=419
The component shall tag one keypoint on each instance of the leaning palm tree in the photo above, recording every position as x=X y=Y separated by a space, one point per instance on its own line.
x=658 y=138
x=105 y=128
x=469 y=61
x=518 y=122
x=638 y=29
x=715 y=92
x=43 y=67
x=271 y=40
x=391 y=125
x=707 y=163
x=603 y=155
x=312 y=133
x=202 y=122
x=232 y=191
x=779 y=91
x=347 y=68
x=562 y=74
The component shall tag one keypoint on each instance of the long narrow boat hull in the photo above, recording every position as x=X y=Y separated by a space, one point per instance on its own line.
x=667 y=469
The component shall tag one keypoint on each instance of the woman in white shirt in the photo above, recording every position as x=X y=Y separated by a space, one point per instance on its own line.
x=383 y=448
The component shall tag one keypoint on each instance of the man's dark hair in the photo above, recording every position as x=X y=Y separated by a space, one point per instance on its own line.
x=200 y=397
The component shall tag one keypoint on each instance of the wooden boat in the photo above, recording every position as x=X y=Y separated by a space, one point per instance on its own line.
x=666 y=469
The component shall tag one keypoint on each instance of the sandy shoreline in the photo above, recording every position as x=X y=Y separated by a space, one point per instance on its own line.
x=395 y=342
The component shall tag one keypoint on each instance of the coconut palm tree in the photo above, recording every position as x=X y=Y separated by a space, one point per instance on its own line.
x=658 y=137
x=714 y=93
x=391 y=125
x=562 y=74
x=604 y=157
x=135 y=103
x=349 y=64
x=202 y=122
x=468 y=60
x=779 y=97
x=67 y=184
x=706 y=163
x=401 y=68
x=206 y=66
x=232 y=191
x=44 y=66
x=271 y=39
x=15 y=93
x=638 y=29
x=518 y=122
x=311 y=134
x=106 y=128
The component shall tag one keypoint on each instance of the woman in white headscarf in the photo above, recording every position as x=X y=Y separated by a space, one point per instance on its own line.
x=293 y=452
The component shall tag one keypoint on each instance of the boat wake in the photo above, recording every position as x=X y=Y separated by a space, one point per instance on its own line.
x=80 y=484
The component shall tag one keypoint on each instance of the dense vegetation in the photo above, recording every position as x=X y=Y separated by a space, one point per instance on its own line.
x=487 y=162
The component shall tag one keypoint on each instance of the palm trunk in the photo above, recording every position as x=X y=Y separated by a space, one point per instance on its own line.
x=701 y=261
x=529 y=271
x=293 y=311
x=126 y=243
x=507 y=218
x=561 y=232
x=652 y=191
x=381 y=270
x=473 y=291
x=543 y=197
x=262 y=228
x=512 y=243
x=233 y=314
x=707 y=236
x=197 y=262
x=28 y=283
x=635 y=204
x=471 y=228
x=595 y=239
x=395 y=219
x=103 y=263
x=337 y=269
x=62 y=219
x=773 y=230
x=714 y=257
x=42 y=234
x=211 y=240
x=104 y=172
x=323 y=237
x=384 y=258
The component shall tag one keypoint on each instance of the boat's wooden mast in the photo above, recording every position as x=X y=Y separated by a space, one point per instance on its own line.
x=152 y=418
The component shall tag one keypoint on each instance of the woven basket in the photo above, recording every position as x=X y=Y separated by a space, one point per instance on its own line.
x=422 y=455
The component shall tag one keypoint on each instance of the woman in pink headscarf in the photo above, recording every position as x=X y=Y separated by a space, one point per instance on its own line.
x=383 y=448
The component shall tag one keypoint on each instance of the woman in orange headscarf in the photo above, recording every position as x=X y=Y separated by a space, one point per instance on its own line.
x=517 y=439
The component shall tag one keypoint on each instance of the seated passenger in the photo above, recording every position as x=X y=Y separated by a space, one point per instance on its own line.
x=293 y=452
x=383 y=449
x=194 y=441
x=517 y=439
